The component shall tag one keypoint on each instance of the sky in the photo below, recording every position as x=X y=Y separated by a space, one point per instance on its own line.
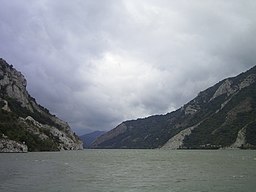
x=96 y=63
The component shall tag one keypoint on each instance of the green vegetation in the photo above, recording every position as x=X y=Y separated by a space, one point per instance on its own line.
x=251 y=133
x=14 y=130
x=16 y=107
x=2 y=104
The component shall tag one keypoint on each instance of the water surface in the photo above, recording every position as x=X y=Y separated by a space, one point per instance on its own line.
x=129 y=171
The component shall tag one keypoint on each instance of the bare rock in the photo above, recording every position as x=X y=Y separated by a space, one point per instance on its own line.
x=247 y=81
x=191 y=109
x=225 y=88
x=176 y=142
x=10 y=146
x=6 y=106
x=240 y=140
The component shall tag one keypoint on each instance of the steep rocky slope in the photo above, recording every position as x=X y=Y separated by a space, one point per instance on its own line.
x=223 y=116
x=26 y=124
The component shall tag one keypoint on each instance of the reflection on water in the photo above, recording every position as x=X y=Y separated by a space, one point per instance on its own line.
x=129 y=170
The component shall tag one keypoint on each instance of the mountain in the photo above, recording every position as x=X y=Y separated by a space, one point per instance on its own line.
x=90 y=137
x=222 y=116
x=24 y=124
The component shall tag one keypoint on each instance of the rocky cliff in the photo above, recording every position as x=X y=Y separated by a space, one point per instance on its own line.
x=222 y=116
x=26 y=123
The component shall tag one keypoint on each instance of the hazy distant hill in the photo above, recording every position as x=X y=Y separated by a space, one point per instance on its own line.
x=223 y=115
x=90 y=137
x=25 y=125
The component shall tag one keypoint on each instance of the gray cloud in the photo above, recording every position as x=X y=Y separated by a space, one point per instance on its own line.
x=97 y=63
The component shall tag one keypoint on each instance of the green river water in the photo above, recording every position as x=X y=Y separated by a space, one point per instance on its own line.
x=129 y=171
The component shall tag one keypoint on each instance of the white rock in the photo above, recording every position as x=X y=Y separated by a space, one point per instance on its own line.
x=176 y=141
x=225 y=88
x=191 y=109
x=247 y=81
x=6 y=106
x=36 y=123
x=10 y=146
x=240 y=140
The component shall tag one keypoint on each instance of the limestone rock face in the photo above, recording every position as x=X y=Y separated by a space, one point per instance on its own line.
x=228 y=87
x=7 y=146
x=41 y=130
x=67 y=142
x=191 y=109
x=176 y=142
x=5 y=106
x=225 y=88
x=14 y=84
x=240 y=140
x=247 y=81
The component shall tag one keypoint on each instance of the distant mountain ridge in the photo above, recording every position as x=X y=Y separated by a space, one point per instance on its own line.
x=222 y=116
x=24 y=124
x=90 y=137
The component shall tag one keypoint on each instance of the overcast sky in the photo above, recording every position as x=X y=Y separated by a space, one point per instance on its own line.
x=96 y=63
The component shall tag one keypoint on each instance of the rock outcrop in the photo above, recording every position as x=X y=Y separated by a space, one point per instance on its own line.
x=7 y=146
x=22 y=120
x=176 y=142
x=240 y=140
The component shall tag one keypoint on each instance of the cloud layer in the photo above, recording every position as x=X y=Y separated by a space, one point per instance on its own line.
x=97 y=63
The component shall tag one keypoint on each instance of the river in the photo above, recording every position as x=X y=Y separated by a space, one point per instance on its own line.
x=129 y=171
